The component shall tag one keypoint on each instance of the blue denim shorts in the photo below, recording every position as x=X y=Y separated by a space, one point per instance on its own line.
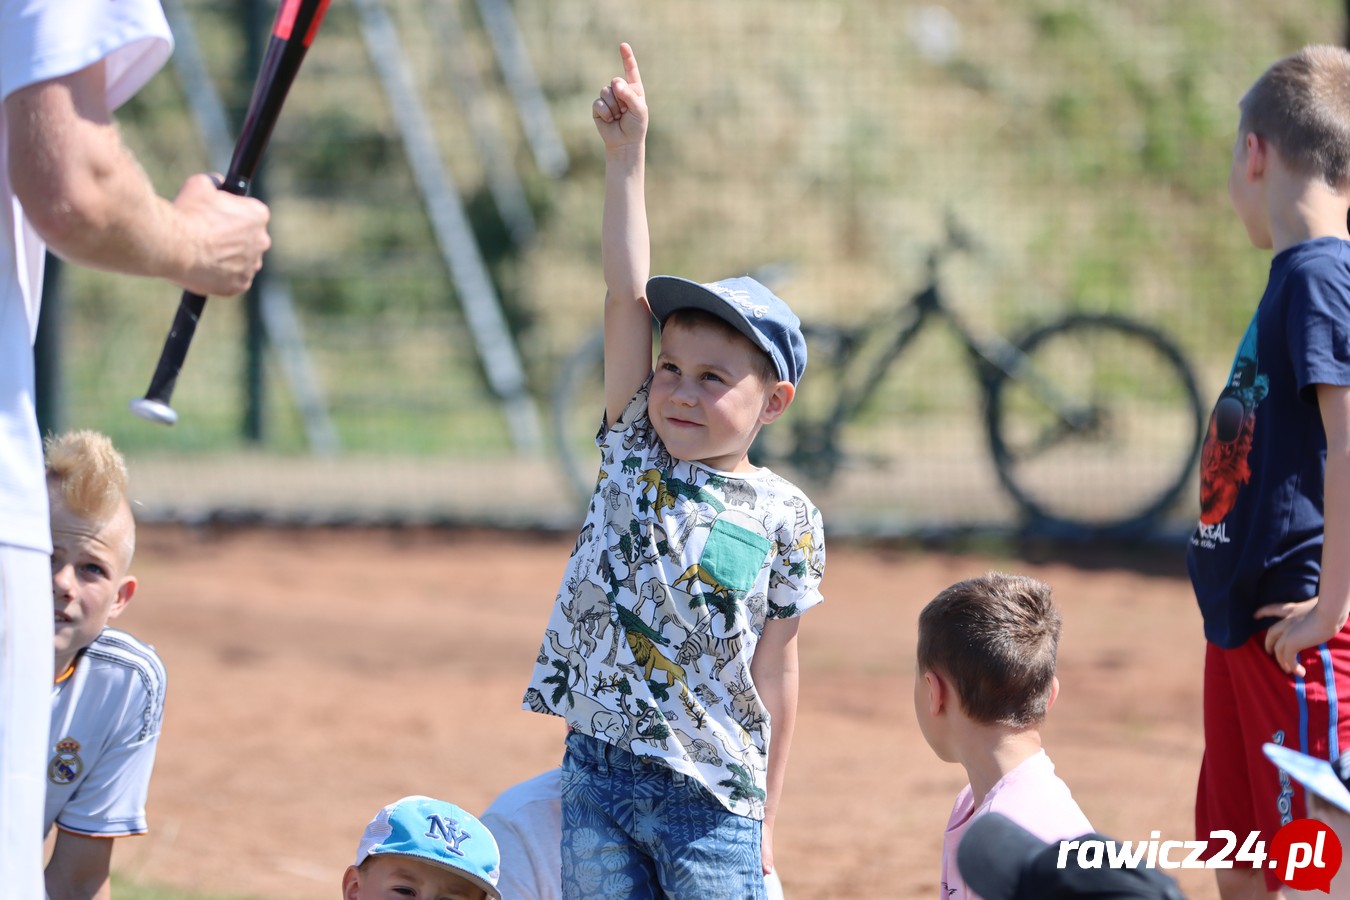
x=633 y=827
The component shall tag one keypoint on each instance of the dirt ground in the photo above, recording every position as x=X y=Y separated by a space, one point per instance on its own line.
x=315 y=675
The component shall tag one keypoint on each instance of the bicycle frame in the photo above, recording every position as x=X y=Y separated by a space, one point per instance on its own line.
x=1031 y=412
x=992 y=356
x=923 y=305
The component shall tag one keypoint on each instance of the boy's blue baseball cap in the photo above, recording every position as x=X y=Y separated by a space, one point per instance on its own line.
x=438 y=833
x=744 y=304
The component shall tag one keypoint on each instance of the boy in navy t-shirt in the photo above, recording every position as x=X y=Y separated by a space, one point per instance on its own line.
x=1275 y=472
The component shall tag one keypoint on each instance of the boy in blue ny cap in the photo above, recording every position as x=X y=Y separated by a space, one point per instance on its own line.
x=422 y=847
x=672 y=647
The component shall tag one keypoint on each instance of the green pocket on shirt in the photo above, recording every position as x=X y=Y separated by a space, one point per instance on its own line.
x=734 y=555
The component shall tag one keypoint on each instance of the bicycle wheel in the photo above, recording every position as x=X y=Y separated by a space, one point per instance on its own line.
x=1095 y=427
x=577 y=406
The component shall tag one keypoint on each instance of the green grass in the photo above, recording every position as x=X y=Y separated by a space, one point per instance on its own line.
x=134 y=890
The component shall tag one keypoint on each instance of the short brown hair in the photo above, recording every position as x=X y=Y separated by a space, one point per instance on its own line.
x=693 y=317
x=1301 y=104
x=995 y=639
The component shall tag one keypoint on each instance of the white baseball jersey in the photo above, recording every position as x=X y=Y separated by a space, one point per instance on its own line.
x=106 y=720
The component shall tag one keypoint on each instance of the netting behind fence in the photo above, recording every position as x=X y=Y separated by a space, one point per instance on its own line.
x=1085 y=146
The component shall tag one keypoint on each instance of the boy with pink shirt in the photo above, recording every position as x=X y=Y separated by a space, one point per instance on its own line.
x=984 y=682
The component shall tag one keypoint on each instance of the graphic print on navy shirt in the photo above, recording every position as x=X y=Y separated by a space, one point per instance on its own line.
x=1223 y=461
x=1259 y=529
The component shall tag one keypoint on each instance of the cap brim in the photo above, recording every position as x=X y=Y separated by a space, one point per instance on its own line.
x=1316 y=775
x=994 y=854
x=667 y=293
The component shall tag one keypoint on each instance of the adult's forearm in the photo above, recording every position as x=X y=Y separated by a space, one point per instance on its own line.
x=81 y=188
x=106 y=215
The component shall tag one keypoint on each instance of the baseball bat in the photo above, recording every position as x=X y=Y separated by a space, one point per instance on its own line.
x=292 y=33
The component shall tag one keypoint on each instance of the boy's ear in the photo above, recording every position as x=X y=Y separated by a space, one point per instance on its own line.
x=777 y=402
x=937 y=692
x=1257 y=155
x=351 y=883
x=125 y=591
x=1054 y=692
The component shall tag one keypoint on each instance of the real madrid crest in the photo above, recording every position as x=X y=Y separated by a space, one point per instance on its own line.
x=66 y=764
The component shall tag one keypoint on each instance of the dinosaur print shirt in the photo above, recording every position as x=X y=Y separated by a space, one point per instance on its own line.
x=675 y=572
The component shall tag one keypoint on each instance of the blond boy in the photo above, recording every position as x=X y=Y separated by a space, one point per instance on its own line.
x=108 y=696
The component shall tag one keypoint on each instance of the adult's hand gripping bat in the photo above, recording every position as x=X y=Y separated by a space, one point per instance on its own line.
x=296 y=23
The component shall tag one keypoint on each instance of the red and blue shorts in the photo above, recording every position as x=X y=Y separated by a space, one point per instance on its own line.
x=1250 y=700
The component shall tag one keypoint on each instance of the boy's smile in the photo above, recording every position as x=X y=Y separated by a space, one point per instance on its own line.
x=707 y=401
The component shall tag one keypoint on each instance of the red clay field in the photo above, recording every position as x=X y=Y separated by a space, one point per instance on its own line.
x=315 y=675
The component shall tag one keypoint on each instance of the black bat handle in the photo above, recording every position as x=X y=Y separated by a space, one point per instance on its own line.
x=154 y=406
x=291 y=33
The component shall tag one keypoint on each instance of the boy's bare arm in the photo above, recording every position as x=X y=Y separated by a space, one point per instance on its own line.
x=1314 y=621
x=79 y=868
x=620 y=114
x=775 y=674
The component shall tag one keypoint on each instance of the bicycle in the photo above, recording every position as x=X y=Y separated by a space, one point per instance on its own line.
x=1096 y=393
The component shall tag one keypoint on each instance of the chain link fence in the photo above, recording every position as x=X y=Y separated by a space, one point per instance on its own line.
x=436 y=167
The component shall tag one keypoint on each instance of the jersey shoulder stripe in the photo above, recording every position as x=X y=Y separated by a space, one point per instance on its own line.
x=118 y=648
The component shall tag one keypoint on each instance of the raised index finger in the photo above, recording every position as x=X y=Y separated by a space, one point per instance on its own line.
x=630 y=66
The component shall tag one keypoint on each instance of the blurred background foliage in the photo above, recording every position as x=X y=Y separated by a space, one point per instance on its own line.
x=1086 y=144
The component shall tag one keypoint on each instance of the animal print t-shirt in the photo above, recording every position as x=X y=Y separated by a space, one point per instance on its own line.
x=665 y=595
